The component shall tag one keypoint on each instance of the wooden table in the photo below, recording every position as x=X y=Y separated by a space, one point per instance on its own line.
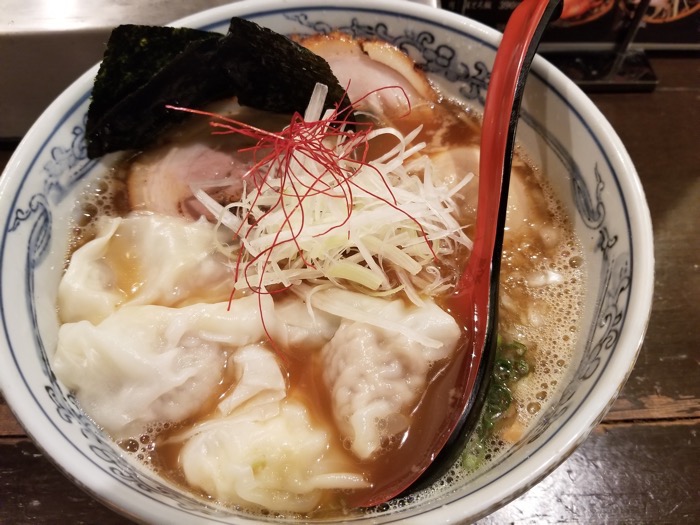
x=642 y=463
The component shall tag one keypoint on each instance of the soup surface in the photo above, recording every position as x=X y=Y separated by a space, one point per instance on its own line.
x=261 y=316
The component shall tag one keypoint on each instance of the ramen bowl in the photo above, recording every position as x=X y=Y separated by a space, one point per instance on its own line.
x=561 y=130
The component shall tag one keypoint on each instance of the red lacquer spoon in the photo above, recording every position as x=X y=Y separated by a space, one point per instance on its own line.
x=476 y=302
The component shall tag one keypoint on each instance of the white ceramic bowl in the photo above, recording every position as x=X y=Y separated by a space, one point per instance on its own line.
x=560 y=128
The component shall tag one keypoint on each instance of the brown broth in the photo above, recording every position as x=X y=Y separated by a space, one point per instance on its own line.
x=451 y=127
x=305 y=385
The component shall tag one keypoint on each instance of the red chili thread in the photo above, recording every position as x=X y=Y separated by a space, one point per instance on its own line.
x=305 y=139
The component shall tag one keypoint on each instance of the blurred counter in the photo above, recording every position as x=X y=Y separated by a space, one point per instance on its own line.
x=46 y=44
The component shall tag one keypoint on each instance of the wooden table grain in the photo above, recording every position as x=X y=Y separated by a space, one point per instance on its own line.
x=642 y=463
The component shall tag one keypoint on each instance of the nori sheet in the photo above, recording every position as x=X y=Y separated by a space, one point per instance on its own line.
x=133 y=55
x=145 y=68
x=272 y=72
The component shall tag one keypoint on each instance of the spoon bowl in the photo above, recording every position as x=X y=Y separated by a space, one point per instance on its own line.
x=475 y=302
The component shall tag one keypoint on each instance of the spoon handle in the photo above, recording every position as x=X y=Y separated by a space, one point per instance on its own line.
x=478 y=285
x=506 y=85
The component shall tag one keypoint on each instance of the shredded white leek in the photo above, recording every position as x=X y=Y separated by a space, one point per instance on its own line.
x=365 y=223
x=346 y=310
x=315 y=107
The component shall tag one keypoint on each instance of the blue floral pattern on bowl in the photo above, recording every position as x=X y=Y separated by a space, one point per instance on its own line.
x=62 y=167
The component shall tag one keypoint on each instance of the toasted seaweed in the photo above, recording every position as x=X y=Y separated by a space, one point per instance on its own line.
x=273 y=72
x=141 y=116
x=133 y=55
x=146 y=68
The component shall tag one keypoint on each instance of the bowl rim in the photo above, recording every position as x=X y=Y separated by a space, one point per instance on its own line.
x=559 y=446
